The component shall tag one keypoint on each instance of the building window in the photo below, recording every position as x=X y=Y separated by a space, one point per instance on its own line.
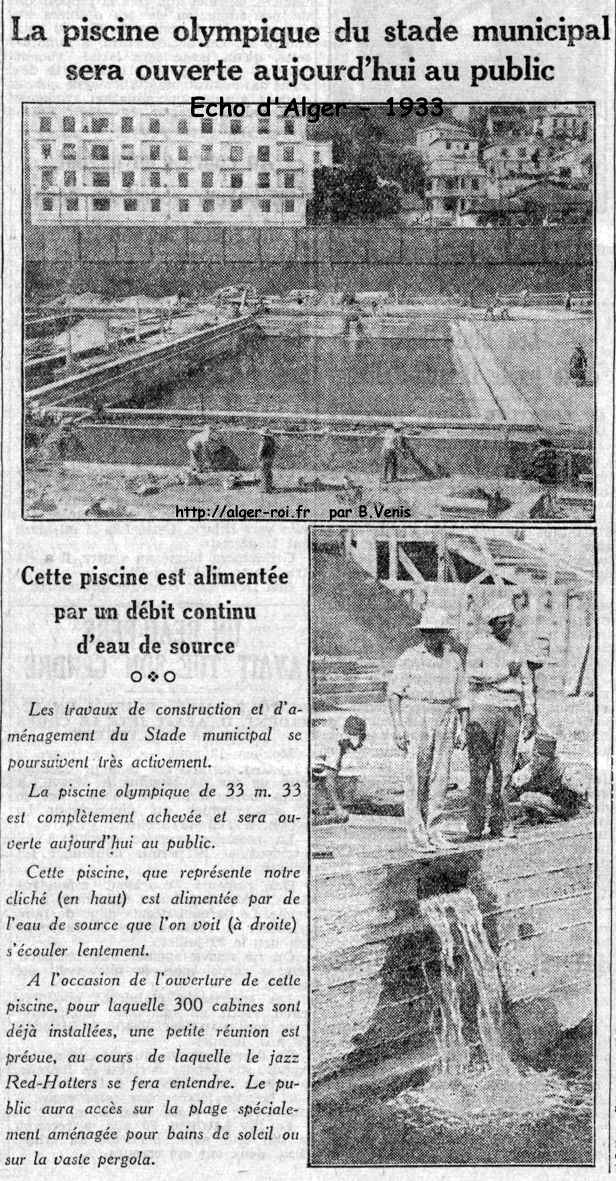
x=101 y=204
x=155 y=179
x=183 y=180
x=183 y=152
x=70 y=180
x=47 y=204
x=130 y=204
x=236 y=153
x=46 y=151
x=289 y=206
x=263 y=126
x=448 y=145
x=72 y=204
x=68 y=123
x=207 y=180
x=289 y=127
x=263 y=180
x=184 y=204
x=100 y=180
x=265 y=206
x=236 y=180
x=154 y=126
x=182 y=126
x=317 y=159
x=237 y=205
x=522 y=153
x=263 y=153
x=69 y=152
x=47 y=177
x=207 y=205
x=128 y=125
x=206 y=151
x=466 y=147
x=128 y=180
x=99 y=125
x=235 y=126
x=45 y=123
x=289 y=180
x=155 y=204
x=154 y=151
x=288 y=154
x=475 y=184
x=100 y=152
x=127 y=151
x=207 y=126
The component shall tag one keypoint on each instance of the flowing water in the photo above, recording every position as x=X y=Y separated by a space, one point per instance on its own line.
x=479 y=1106
x=477 y=1079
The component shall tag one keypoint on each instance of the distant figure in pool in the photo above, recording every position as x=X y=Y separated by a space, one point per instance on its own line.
x=578 y=366
x=393 y=443
x=265 y=456
x=201 y=448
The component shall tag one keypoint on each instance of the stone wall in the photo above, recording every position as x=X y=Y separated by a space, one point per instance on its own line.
x=368 y=256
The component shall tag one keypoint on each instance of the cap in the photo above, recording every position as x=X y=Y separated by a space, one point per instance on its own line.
x=434 y=619
x=355 y=725
x=498 y=609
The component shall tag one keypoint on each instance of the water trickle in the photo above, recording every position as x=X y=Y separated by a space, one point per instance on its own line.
x=476 y=1079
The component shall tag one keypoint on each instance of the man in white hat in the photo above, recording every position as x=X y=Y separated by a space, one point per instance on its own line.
x=428 y=706
x=502 y=706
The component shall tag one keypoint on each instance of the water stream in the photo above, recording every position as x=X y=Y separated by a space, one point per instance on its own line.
x=477 y=1080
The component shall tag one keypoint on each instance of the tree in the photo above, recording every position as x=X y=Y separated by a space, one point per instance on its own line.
x=352 y=195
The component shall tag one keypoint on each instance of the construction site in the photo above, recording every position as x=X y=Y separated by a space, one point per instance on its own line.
x=383 y=914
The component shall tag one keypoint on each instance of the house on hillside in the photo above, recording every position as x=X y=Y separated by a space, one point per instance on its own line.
x=454 y=176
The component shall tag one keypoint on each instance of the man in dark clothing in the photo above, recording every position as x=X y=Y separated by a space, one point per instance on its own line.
x=546 y=790
x=266 y=453
x=544 y=462
x=578 y=366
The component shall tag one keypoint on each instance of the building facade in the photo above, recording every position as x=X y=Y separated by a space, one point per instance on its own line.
x=454 y=177
x=154 y=164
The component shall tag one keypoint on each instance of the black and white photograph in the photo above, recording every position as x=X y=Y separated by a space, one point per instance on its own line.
x=452 y=943
x=278 y=313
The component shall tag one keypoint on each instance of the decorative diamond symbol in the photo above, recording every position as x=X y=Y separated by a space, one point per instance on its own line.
x=152 y=676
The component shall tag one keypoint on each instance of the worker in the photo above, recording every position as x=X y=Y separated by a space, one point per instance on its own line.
x=578 y=366
x=502 y=707
x=202 y=448
x=428 y=706
x=266 y=453
x=543 y=789
x=330 y=748
x=544 y=462
x=390 y=450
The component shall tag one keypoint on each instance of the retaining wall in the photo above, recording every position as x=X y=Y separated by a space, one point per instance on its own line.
x=366 y=256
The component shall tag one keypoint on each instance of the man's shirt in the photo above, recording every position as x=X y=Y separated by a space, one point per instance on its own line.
x=489 y=679
x=419 y=675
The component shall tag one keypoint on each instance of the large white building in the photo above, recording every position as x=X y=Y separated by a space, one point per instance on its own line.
x=154 y=164
x=454 y=177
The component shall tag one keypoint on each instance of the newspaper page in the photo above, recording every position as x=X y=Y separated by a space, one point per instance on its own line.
x=307 y=585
